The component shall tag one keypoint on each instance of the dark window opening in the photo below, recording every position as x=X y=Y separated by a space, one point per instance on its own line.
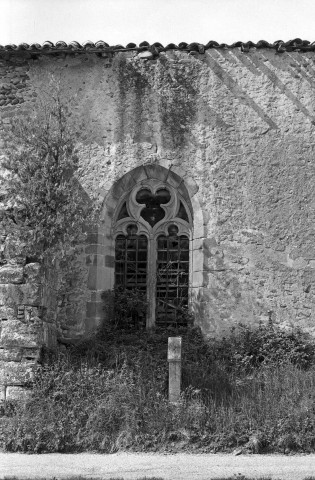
x=172 y=279
x=151 y=260
x=153 y=212
x=131 y=253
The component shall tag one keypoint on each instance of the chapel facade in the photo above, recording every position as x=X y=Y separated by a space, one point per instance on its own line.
x=202 y=158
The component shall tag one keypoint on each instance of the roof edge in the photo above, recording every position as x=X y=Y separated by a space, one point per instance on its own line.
x=103 y=48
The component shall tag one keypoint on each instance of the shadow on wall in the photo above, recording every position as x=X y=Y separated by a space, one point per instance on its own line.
x=72 y=280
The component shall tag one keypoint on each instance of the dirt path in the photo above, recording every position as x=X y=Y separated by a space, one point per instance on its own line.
x=169 y=467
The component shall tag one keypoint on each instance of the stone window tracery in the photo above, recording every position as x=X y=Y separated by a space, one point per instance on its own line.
x=152 y=232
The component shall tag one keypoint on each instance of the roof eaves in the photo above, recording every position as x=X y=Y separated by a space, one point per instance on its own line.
x=100 y=47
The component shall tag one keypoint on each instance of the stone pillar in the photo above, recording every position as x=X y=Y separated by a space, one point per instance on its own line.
x=174 y=355
x=23 y=330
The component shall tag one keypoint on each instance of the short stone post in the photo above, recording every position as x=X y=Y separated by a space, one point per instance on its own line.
x=174 y=356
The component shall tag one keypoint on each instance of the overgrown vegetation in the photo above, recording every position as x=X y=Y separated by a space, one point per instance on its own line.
x=46 y=213
x=253 y=390
x=45 y=205
x=125 y=309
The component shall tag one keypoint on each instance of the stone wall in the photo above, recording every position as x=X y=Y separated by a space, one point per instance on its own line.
x=238 y=125
x=23 y=326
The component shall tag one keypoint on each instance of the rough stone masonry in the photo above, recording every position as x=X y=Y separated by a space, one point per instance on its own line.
x=234 y=127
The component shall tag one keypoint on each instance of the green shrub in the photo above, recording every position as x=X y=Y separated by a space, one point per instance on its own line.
x=125 y=309
x=45 y=205
x=247 y=349
x=110 y=393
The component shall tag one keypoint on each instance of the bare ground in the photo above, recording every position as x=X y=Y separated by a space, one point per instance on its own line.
x=182 y=466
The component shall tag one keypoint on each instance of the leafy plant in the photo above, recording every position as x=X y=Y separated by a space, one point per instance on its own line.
x=249 y=348
x=111 y=393
x=45 y=204
x=130 y=308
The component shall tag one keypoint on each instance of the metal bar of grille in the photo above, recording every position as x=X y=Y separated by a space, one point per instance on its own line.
x=172 y=280
x=131 y=254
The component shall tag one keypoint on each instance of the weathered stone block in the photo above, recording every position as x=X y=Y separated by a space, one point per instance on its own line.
x=198 y=279
x=139 y=174
x=146 y=55
x=49 y=336
x=27 y=294
x=15 y=333
x=100 y=296
x=119 y=188
x=10 y=295
x=95 y=260
x=15 y=373
x=95 y=249
x=7 y=313
x=17 y=393
x=13 y=354
x=30 y=354
x=19 y=354
x=11 y=274
x=32 y=293
x=33 y=272
x=14 y=249
x=95 y=238
x=99 y=278
x=95 y=309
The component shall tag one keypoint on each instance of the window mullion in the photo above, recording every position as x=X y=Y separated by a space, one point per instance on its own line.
x=151 y=291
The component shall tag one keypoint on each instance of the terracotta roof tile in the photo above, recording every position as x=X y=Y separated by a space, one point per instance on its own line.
x=100 y=47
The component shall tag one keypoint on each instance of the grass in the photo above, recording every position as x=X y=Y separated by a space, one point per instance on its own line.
x=255 y=391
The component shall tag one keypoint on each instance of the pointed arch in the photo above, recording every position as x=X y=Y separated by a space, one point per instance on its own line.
x=154 y=177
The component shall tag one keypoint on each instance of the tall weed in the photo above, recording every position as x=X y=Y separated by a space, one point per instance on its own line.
x=110 y=394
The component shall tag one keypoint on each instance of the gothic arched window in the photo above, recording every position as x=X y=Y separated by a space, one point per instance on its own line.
x=152 y=231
